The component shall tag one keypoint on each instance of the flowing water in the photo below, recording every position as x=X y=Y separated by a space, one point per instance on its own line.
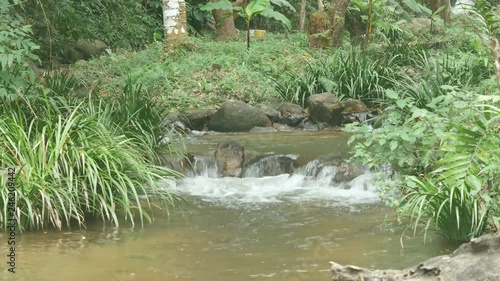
x=284 y=227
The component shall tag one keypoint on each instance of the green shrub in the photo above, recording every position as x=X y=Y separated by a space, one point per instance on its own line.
x=449 y=152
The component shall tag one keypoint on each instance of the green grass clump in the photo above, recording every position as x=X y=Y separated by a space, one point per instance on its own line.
x=81 y=157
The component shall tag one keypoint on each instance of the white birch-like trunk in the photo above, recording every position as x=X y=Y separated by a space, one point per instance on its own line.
x=174 y=21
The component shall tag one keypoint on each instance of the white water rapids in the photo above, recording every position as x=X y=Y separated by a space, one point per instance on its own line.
x=300 y=186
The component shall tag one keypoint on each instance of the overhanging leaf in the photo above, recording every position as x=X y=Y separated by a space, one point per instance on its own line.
x=270 y=13
x=255 y=7
x=283 y=3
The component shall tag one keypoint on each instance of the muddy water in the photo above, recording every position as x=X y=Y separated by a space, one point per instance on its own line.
x=274 y=228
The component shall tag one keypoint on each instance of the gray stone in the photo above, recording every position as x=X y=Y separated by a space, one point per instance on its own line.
x=325 y=108
x=229 y=157
x=272 y=165
x=292 y=114
x=237 y=116
x=476 y=260
x=271 y=113
x=197 y=119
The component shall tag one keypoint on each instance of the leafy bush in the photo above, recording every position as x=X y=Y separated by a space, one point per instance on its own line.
x=78 y=156
x=449 y=151
x=16 y=52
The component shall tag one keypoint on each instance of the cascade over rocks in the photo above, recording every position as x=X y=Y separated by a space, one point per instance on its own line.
x=476 y=260
x=197 y=119
x=292 y=114
x=229 y=157
x=237 y=116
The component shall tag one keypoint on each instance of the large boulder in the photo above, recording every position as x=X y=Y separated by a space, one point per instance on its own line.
x=292 y=114
x=229 y=157
x=322 y=108
x=326 y=108
x=197 y=119
x=237 y=116
x=474 y=261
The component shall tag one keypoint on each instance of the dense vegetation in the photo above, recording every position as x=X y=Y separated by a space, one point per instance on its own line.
x=89 y=138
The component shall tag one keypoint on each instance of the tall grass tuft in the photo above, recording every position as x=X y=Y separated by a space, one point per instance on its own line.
x=351 y=75
x=79 y=159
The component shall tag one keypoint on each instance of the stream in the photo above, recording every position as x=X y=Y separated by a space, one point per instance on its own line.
x=283 y=227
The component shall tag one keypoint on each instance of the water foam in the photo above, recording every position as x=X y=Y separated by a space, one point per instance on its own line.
x=281 y=188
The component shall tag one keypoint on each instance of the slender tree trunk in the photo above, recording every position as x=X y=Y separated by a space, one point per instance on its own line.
x=224 y=23
x=337 y=18
x=445 y=14
x=321 y=7
x=495 y=50
x=248 y=35
x=303 y=4
x=174 y=21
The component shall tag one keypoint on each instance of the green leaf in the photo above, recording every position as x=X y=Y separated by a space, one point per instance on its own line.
x=393 y=145
x=255 y=7
x=270 y=13
x=284 y=3
x=391 y=94
x=401 y=103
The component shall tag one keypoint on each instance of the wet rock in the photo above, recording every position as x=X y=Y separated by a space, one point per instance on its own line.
x=179 y=163
x=282 y=127
x=292 y=114
x=271 y=113
x=229 y=157
x=272 y=165
x=354 y=111
x=308 y=126
x=476 y=260
x=237 y=116
x=325 y=108
x=338 y=168
x=197 y=119
x=263 y=130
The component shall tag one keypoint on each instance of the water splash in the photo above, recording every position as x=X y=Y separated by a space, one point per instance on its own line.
x=315 y=182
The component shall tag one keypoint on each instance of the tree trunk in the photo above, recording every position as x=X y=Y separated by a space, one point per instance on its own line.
x=337 y=19
x=495 y=50
x=445 y=14
x=224 y=23
x=174 y=21
x=321 y=7
x=303 y=4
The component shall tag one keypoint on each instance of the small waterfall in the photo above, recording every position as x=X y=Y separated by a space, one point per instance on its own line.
x=319 y=180
x=204 y=165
